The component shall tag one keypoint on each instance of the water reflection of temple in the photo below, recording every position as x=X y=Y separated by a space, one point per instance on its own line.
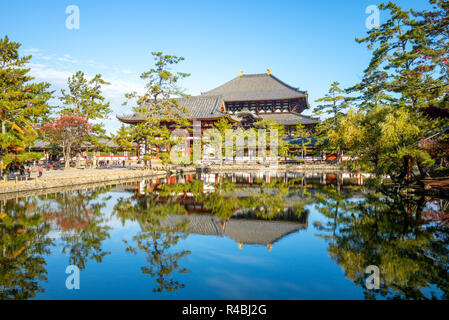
x=341 y=180
x=243 y=231
x=244 y=226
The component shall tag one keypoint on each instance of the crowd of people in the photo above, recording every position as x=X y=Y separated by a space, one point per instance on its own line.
x=23 y=171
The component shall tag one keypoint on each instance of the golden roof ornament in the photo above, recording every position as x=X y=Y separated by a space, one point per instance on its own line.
x=269 y=71
x=240 y=73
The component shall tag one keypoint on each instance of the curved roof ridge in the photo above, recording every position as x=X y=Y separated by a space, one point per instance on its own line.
x=250 y=87
x=304 y=115
x=220 y=86
x=285 y=84
x=201 y=97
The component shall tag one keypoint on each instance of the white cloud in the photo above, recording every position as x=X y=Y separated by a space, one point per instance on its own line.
x=44 y=73
x=67 y=58
x=47 y=58
x=31 y=50
x=114 y=93
x=119 y=87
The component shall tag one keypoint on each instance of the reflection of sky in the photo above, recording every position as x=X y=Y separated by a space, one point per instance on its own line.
x=298 y=267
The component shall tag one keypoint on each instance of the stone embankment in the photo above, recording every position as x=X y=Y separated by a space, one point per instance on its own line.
x=79 y=178
x=67 y=178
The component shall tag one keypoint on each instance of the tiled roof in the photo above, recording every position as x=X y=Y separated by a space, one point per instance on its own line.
x=199 y=107
x=288 y=118
x=107 y=142
x=246 y=231
x=256 y=87
x=41 y=144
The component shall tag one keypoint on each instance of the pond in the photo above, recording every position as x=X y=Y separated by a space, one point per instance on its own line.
x=261 y=235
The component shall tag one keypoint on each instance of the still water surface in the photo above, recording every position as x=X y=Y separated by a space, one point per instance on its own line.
x=232 y=236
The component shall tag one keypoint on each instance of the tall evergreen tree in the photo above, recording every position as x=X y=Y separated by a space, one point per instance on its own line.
x=159 y=108
x=333 y=105
x=23 y=105
x=84 y=99
x=408 y=51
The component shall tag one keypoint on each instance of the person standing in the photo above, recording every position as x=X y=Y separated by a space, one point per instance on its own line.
x=40 y=169
x=21 y=172
x=29 y=172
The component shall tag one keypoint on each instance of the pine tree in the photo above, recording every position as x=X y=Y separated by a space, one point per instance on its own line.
x=222 y=125
x=84 y=99
x=408 y=69
x=123 y=138
x=23 y=105
x=160 y=109
x=333 y=105
x=303 y=135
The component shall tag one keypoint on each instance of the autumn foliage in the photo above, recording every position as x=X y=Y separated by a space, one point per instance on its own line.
x=68 y=131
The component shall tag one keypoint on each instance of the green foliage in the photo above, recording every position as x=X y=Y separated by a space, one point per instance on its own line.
x=21 y=158
x=23 y=104
x=392 y=232
x=84 y=99
x=303 y=134
x=160 y=110
x=407 y=73
x=24 y=243
x=124 y=138
x=381 y=139
x=333 y=106
x=156 y=238
x=333 y=103
x=222 y=125
x=271 y=127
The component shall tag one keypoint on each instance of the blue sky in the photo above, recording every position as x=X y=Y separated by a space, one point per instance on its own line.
x=307 y=44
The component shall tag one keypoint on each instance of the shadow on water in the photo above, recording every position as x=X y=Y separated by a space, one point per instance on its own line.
x=406 y=237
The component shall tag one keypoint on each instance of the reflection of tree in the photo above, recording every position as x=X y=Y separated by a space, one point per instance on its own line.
x=220 y=202
x=23 y=243
x=331 y=203
x=81 y=223
x=156 y=238
x=268 y=201
x=390 y=232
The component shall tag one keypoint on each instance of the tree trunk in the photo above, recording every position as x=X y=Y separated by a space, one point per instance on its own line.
x=1 y=155
x=87 y=158
x=94 y=160
x=78 y=159
x=404 y=170
x=66 y=158
x=145 y=153
x=424 y=172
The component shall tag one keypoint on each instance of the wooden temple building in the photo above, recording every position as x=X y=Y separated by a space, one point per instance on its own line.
x=245 y=100
x=255 y=97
